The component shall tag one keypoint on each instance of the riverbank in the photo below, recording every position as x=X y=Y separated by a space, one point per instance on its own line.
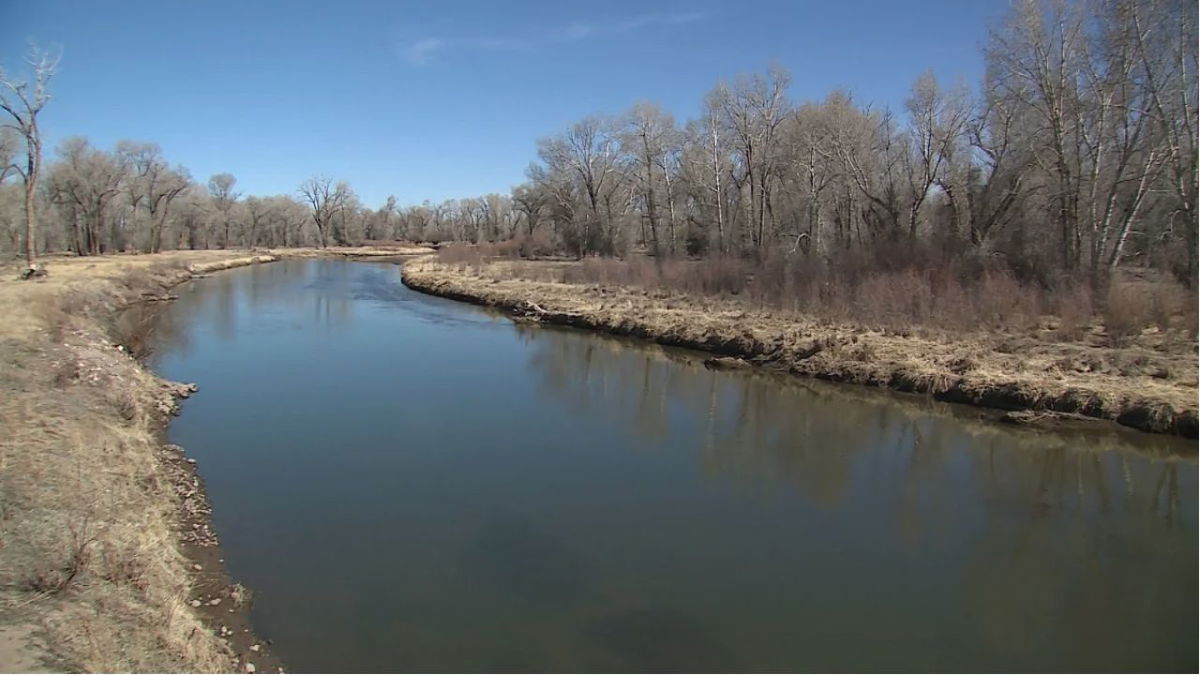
x=107 y=557
x=1149 y=385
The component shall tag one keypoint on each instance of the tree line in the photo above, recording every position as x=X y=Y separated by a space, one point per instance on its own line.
x=1076 y=154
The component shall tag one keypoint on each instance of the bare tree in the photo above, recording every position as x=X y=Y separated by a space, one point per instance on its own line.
x=1164 y=45
x=220 y=187
x=808 y=135
x=647 y=136
x=1035 y=59
x=937 y=120
x=154 y=185
x=993 y=177
x=82 y=183
x=23 y=106
x=586 y=155
x=530 y=201
x=752 y=110
x=326 y=201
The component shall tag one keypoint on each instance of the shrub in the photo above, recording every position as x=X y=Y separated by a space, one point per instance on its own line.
x=1073 y=306
x=1126 y=312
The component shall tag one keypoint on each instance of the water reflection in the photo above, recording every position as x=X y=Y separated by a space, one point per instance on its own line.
x=758 y=428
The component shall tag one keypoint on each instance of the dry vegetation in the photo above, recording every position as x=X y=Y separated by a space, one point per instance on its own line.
x=91 y=502
x=1130 y=357
x=369 y=250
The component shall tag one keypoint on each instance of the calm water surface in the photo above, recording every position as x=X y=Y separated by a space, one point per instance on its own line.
x=410 y=483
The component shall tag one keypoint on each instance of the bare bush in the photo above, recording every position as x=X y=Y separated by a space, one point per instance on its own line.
x=1073 y=306
x=1127 y=311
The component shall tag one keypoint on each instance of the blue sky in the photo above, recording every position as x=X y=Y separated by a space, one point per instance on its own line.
x=431 y=100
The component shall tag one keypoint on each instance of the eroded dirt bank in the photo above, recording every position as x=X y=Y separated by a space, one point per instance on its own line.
x=1140 y=387
x=108 y=561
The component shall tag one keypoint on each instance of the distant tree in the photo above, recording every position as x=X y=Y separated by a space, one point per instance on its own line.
x=648 y=136
x=530 y=201
x=82 y=184
x=327 y=201
x=220 y=188
x=752 y=110
x=153 y=185
x=584 y=160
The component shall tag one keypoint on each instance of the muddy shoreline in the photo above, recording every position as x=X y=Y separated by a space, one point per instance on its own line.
x=216 y=598
x=220 y=602
x=106 y=539
x=612 y=311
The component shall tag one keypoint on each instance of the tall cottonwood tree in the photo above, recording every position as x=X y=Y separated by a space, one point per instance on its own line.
x=22 y=103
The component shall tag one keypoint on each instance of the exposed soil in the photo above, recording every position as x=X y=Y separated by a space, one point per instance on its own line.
x=1150 y=385
x=220 y=603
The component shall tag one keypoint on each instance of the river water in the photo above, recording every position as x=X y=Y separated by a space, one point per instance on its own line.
x=408 y=483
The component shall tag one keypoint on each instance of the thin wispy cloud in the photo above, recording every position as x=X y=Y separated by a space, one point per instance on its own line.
x=421 y=52
x=425 y=50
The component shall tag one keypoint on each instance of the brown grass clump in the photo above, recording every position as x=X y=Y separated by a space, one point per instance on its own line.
x=1074 y=309
x=461 y=255
x=1132 y=308
x=1126 y=313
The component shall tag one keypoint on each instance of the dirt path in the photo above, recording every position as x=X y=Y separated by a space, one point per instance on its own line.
x=1150 y=385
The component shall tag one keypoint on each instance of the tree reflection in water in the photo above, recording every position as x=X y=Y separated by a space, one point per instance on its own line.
x=813 y=435
x=999 y=500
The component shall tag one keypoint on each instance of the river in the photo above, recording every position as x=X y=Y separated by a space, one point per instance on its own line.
x=407 y=483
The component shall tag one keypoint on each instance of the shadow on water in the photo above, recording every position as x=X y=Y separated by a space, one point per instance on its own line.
x=515 y=557
x=658 y=641
x=410 y=483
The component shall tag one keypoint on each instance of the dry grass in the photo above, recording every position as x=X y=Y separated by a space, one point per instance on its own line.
x=1133 y=308
x=910 y=298
x=89 y=548
x=379 y=249
x=1001 y=352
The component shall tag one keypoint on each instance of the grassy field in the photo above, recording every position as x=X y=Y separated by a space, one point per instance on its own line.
x=1146 y=380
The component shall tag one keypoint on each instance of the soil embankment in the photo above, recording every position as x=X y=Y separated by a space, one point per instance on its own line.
x=108 y=561
x=1148 y=387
